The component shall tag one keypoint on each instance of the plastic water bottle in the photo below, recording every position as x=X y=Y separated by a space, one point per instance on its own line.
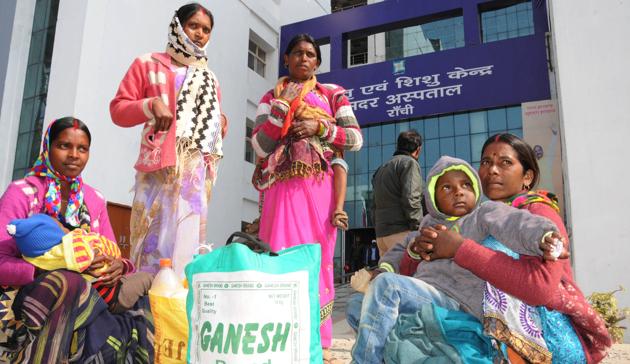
x=166 y=282
x=168 y=306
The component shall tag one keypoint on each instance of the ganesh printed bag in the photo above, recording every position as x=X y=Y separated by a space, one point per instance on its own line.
x=254 y=306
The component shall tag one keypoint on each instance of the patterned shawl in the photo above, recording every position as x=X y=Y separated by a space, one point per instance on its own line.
x=506 y=317
x=539 y=196
x=295 y=157
x=518 y=324
x=52 y=198
x=298 y=107
x=198 y=113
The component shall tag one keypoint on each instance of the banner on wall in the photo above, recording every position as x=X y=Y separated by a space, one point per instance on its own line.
x=462 y=79
x=399 y=95
x=541 y=129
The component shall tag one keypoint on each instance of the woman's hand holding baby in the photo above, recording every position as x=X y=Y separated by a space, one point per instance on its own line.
x=113 y=273
x=436 y=243
x=106 y=269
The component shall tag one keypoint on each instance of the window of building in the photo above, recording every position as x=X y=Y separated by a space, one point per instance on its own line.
x=324 y=48
x=460 y=135
x=249 y=151
x=427 y=36
x=358 y=51
x=505 y=20
x=256 y=58
x=35 y=86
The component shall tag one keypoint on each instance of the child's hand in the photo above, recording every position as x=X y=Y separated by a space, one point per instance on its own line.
x=291 y=91
x=436 y=243
x=362 y=278
x=554 y=247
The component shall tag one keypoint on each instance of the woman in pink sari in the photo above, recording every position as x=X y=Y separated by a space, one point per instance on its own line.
x=300 y=126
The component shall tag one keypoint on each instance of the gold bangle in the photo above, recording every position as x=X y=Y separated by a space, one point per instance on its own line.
x=283 y=101
x=321 y=129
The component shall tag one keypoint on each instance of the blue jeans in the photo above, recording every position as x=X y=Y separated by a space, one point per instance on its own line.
x=353 y=310
x=389 y=295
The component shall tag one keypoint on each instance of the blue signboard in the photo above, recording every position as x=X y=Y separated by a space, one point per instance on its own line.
x=476 y=76
x=480 y=77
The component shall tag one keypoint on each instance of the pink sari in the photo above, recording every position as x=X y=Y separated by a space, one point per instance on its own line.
x=297 y=211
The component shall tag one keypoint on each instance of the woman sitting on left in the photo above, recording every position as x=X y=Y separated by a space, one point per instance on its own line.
x=57 y=316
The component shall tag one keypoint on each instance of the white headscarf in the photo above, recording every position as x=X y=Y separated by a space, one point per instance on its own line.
x=198 y=113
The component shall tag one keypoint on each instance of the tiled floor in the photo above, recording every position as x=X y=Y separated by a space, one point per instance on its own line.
x=341 y=330
x=343 y=335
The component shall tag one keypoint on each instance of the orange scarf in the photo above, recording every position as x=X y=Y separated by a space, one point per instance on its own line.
x=298 y=107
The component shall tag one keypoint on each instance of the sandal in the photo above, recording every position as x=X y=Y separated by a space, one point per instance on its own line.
x=253 y=227
x=340 y=219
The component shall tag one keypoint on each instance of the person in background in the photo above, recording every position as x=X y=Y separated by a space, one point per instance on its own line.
x=56 y=317
x=177 y=99
x=397 y=186
x=300 y=125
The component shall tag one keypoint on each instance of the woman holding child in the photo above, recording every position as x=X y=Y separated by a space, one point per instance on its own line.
x=571 y=330
x=300 y=126
x=57 y=316
x=509 y=172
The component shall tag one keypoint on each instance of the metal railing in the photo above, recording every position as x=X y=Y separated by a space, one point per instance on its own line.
x=359 y=58
x=347 y=7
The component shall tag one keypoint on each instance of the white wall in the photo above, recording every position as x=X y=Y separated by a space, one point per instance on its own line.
x=16 y=23
x=95 y=43
x=592 y=53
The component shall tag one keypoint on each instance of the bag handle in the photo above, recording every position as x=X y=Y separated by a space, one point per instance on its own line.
x=252 y=242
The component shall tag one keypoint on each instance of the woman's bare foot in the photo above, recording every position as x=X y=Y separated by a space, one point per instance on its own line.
x=328 y=357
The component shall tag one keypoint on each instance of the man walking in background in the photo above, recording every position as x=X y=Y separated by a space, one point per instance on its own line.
x=397 y=186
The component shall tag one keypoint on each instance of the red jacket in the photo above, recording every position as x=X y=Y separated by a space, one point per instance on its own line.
x=149 y=76
x=540 y=283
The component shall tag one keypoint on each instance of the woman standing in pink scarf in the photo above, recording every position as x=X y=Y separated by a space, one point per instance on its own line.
x=177 y=98
x=299 y=126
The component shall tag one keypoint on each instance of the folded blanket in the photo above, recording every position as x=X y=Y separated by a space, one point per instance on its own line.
x=437 y=335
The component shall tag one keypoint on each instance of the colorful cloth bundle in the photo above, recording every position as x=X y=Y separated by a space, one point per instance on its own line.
x=43 y=243
x=294 y=156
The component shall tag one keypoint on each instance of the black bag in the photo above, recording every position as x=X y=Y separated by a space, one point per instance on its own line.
x=252 y=242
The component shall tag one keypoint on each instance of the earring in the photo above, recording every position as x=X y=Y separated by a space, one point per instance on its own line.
x=526 y=187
